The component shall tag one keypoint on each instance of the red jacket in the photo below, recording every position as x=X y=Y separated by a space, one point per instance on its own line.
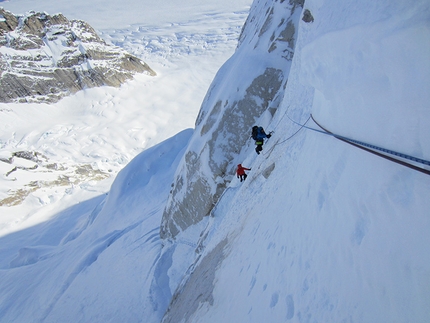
x=241 y=170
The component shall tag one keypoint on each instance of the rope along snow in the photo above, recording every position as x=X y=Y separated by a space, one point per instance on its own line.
x=281 y=142
x=371 y=149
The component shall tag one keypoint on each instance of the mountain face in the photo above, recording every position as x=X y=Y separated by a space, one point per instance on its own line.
x=229 y=111
x=320 y=231
x=44 y=58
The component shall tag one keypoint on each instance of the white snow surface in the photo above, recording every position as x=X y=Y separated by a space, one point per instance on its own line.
x=320 y=231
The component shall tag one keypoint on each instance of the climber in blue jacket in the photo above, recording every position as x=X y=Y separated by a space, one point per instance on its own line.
x=258 y=134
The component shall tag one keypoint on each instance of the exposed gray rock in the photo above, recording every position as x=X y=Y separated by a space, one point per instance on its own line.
x=8 y=22
x=200 y=191
x=228 y=113
x=307 y=16
x=44 y=58
x=267 y=171
x=30 y=155
x=198 y=289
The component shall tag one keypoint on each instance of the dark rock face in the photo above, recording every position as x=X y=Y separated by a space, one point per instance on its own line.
x=44 y=58
x=307 y=16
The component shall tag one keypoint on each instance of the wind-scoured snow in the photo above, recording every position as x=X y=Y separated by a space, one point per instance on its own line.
x=320 y=231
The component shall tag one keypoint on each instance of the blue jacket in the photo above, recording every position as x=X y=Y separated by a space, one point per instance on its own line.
x=261 y=134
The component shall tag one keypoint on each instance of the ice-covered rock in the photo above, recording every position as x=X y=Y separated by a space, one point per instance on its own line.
x=229 y=111
x=44 y=58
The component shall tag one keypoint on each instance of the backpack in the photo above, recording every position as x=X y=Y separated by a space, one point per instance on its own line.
x=254 y=134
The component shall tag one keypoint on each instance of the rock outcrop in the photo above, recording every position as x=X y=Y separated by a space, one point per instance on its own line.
x=44 y=58
x=230 y=110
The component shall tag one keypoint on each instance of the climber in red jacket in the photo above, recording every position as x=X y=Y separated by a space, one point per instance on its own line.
x=240 y=172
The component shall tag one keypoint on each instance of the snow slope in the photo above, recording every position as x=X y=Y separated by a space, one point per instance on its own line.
x=84 y=265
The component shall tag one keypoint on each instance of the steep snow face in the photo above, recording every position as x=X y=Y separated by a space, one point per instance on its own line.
x=321 y=231
x=378 y=74
x=246 y=90
x=99 y=260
